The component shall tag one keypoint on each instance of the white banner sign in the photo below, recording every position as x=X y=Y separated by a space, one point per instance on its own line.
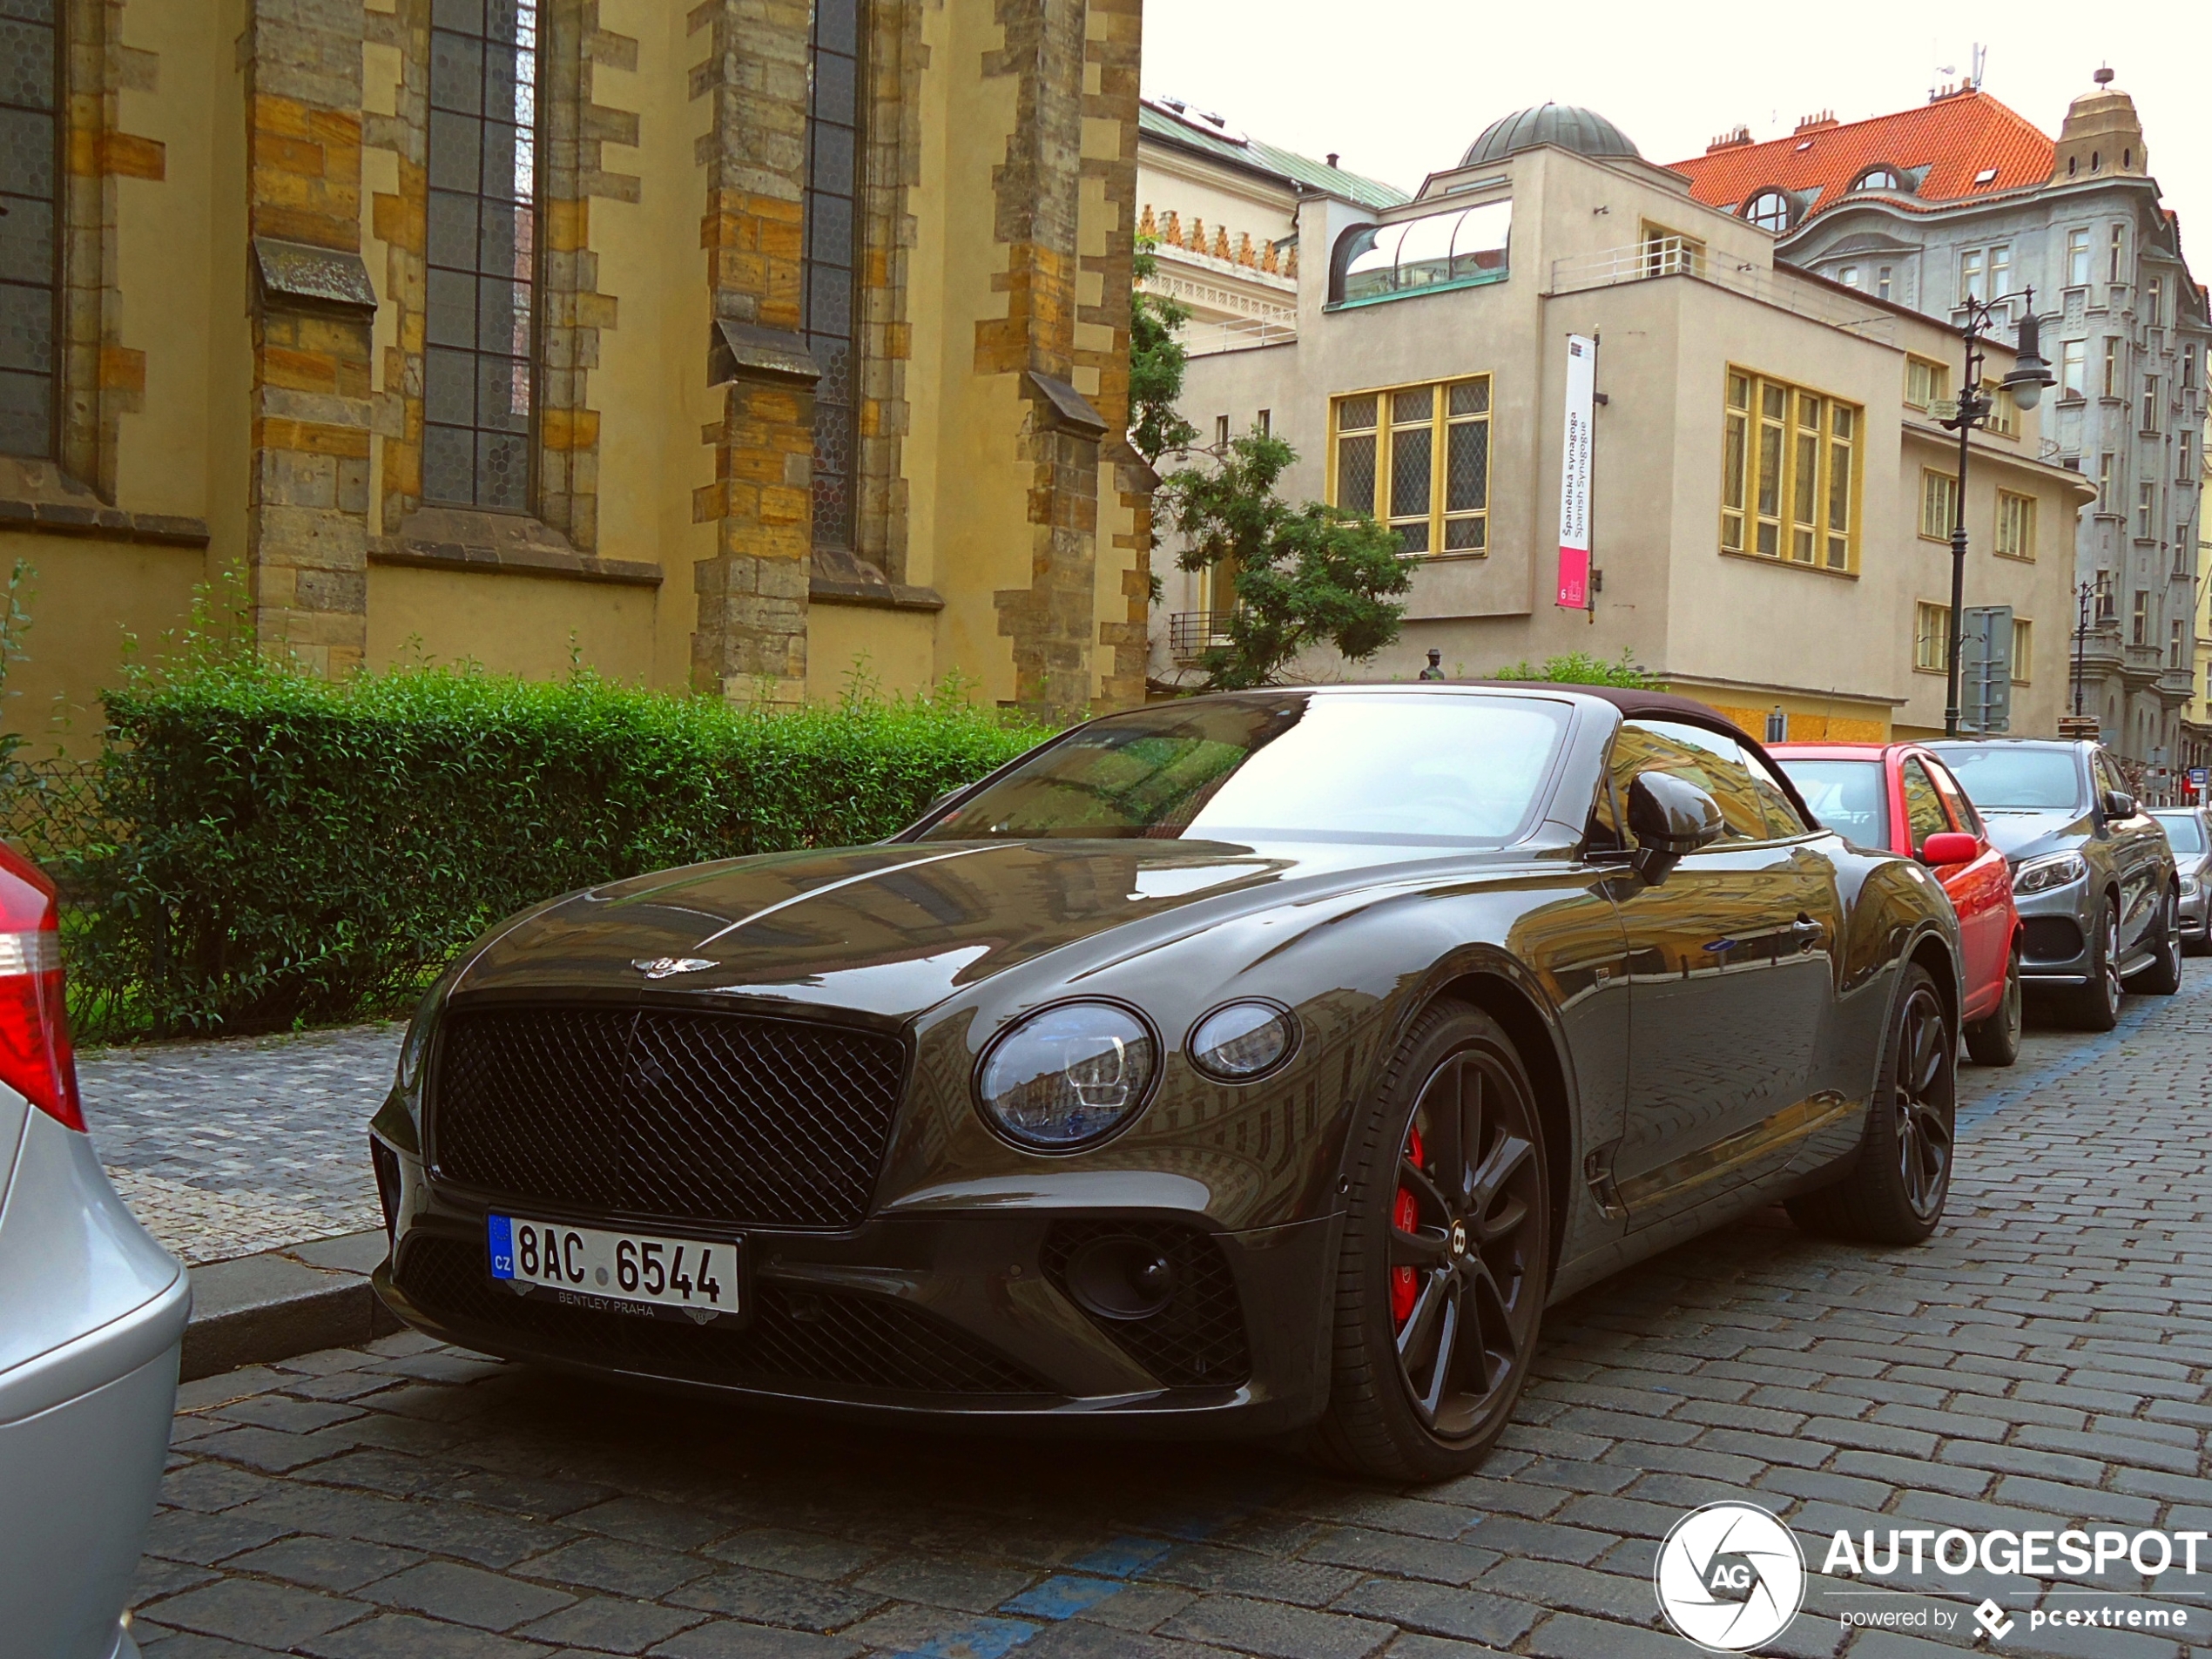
x=1574 y=474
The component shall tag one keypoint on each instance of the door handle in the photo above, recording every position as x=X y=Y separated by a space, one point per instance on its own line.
x=1808 y=931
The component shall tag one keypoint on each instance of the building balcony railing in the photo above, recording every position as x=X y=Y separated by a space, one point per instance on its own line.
x=1671 y=256
x=1238 y=334
x=1192 y=633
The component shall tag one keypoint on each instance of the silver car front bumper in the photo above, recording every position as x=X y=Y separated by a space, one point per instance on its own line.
x=2054 y=929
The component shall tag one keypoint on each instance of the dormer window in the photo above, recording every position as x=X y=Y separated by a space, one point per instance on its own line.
x=1880 y=178
x=1770 y=211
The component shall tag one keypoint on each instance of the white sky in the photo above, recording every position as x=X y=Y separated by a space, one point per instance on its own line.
x=1400 y=87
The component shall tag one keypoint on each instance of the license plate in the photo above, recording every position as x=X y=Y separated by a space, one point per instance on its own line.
x=622 y=1273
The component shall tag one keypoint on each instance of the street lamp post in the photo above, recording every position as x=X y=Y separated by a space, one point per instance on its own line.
x=2085 y=592
x=2030 y=375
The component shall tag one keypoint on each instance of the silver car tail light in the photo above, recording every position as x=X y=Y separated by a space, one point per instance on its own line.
x=35 y=1057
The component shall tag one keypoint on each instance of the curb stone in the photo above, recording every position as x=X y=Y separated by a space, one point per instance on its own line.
x=253 y=1308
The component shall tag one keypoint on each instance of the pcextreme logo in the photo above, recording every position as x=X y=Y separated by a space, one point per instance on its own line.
x=1730 y=1577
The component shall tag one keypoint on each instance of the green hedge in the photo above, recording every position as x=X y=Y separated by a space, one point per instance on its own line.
x=296 y=850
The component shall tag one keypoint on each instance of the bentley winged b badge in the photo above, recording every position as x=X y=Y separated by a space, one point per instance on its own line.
x=664 y=966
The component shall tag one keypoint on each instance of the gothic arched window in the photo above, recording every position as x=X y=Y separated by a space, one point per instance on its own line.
x=30 y=175
x=832 y=209
x=479 y=384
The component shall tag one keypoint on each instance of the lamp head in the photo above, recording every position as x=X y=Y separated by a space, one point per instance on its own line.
x=2031 y=373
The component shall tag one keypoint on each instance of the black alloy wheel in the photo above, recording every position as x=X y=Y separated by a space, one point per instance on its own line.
x=2163 y=977
x=2096 y=1006
x=1921 y=1093
x=1897 y=1188
x=1446 y=1258
x=1995 y=1039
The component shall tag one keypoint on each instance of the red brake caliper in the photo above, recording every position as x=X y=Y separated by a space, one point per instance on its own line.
x=1406 y=1215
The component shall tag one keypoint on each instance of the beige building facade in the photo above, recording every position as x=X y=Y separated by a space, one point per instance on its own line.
x=724 y=347
x=1771 y=492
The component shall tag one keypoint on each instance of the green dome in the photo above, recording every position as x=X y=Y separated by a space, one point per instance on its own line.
x=1584 y=132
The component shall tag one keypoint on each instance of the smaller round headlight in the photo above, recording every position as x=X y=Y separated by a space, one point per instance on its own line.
x=1067 y=1075
x=1241 y=1041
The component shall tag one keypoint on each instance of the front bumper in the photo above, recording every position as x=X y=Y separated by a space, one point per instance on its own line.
x=964 y=1315
x=2054 y=935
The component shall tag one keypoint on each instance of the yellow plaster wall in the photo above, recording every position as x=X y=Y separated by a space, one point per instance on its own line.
x=87 y=598
x=893 y=649
x=511 y=624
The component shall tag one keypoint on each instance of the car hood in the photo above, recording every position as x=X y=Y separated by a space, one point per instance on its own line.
x=2020 y=832
x=892 y=930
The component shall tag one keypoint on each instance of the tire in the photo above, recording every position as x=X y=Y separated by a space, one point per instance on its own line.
x=1996 y=1041
x=1898 y=1186
x=2163 y=977
x=2095 y=1006
x=1462 y=1287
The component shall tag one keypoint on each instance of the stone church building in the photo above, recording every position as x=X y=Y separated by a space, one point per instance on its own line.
x=727 y=347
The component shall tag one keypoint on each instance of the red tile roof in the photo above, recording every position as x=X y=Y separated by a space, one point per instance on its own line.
x=1955 y=137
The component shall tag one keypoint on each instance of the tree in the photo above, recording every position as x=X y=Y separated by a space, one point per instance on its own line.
x=1303 y=575
x=1155 y=363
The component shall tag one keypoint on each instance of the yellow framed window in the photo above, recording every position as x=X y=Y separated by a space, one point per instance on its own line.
x=2015 y=525
x=1930 y=637
x=1938 y=504
x=2023 y=650
x=1788 y=473
x=2004 y=413
x=1417 y=457
x=1926 y=382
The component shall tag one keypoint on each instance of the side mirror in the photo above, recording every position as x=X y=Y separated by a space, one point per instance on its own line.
x=1668 y=816
x=1950 y=846
x=2119 y=803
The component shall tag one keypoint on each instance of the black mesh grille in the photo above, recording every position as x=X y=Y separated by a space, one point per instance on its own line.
x=664 y=1112
x=812 y=1338
x=2051 y=938
x=1198 y=1338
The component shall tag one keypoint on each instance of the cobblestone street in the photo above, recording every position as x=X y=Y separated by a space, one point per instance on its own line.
x=2042 y=1362
x=222 y=1148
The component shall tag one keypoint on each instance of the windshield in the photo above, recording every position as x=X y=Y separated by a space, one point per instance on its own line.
x=2024 y=779
x=1418 y=767
x=2184 y=830
x=1849 y=797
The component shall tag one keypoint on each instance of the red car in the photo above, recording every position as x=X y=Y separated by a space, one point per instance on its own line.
x=1901 y=798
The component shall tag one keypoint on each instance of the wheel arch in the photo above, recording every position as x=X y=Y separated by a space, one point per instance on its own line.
x=1535 y=1040
x=1932 y=952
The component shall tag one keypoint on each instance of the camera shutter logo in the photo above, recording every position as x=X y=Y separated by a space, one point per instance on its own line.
x=1730 y=1577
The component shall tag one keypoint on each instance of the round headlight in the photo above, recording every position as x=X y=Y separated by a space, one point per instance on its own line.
x=1242 y=1042
x=1068 y=1076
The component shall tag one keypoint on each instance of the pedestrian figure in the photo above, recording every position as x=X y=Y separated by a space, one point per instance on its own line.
x=1435 y=668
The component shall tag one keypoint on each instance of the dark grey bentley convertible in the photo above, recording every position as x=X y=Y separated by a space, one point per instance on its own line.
x=1252 y=1064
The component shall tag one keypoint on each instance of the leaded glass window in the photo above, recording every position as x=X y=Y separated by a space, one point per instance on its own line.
x=478 y=380
x=832 y=255
x=1418 y=457
x=30 y=199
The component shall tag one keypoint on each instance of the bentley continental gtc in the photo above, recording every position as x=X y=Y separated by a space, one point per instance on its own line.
x=1261 y=1064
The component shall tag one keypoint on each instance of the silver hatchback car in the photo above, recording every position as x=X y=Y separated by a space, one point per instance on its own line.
x=92 y=1316
x=2189 y=832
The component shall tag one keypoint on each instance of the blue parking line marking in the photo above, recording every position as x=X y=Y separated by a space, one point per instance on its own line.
x=984 y=1639
x=502 y=1233
x=1121 y=1558
x=2079 y=1058
x=1062 y=1596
